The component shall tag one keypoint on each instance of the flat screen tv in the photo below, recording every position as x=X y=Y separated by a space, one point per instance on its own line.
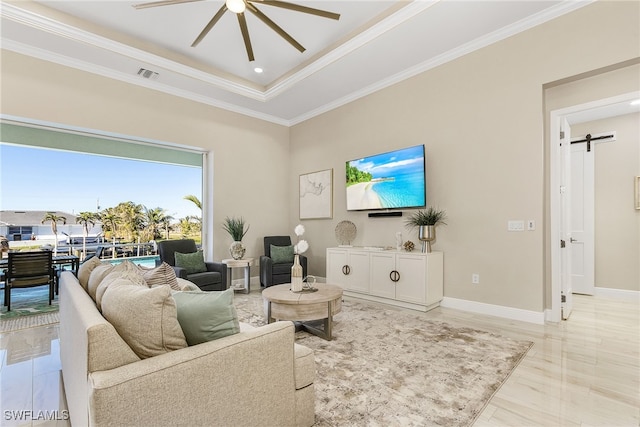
x=392 y=180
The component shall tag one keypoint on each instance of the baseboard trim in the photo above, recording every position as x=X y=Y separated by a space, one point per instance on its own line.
x=494 y=310
x=255 y=281
x=387 y=301
x=618 y=294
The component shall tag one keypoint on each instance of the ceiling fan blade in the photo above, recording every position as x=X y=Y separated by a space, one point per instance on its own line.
x=251 y=8
x=210 y=25
x=300 y=8
x=245 y=35
x=161 y=3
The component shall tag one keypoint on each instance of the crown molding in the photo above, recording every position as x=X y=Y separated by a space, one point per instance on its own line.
x=135 y=80
x=496 y=36
x=352 y=44
x=57 y=28
x=51 y=26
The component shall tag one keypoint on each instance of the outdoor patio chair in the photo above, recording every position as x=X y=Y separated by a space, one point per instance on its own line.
x=27 y=270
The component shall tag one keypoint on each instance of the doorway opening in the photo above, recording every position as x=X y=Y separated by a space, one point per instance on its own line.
x=560 y=231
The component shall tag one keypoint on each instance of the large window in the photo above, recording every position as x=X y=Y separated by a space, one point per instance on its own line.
x=141 y=182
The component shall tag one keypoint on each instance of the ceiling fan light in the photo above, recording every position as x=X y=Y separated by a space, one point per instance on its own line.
x=236 y=6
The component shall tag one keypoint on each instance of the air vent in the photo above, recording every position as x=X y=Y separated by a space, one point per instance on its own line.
x=147 y=74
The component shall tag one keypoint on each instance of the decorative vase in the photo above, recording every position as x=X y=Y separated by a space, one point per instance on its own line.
x=296 y=274
x=426 y=233
x=237 y=250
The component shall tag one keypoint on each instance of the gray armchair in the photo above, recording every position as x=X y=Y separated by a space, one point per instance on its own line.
x=214 y=279
x=277 y=273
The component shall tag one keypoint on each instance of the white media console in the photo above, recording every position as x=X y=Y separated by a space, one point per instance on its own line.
x=406 y=279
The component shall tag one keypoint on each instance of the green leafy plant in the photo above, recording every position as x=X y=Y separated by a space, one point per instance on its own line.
x=429 y=216
x=235 y=227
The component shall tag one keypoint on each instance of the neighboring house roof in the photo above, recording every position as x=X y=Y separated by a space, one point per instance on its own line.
x=31 y=218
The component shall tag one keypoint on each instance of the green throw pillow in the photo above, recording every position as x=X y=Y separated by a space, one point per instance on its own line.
x=193 y=262
x=206 y=316
x=281 y=254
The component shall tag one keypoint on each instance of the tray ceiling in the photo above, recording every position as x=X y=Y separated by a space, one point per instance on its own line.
x=373 y=45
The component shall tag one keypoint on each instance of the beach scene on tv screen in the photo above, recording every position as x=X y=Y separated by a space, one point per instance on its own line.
x=385 y=181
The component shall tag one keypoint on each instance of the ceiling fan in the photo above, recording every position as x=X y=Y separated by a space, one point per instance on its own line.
x=239 y=7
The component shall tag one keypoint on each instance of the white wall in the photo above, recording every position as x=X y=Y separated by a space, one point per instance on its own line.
x=481 y=119
x=590 y=88
x=251 y=157
x=617 y=222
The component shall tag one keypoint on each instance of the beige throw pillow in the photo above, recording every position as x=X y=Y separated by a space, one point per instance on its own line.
x=96 y=276
x=163 y=274
x=85 y=270
x=146 y=318
x=186 y=285
x=124 y=270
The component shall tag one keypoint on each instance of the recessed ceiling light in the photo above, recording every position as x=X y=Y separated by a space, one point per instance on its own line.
x=636 y=102
x=258 y=70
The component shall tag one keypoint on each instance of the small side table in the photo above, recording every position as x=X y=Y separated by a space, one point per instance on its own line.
x=239 y=263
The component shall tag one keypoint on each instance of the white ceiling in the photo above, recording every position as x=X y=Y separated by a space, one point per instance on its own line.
x=373 y=45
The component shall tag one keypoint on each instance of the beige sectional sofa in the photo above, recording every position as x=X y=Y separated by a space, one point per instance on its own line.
x=258 y=377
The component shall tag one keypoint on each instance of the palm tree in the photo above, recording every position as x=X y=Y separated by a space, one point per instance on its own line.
x=110 y=221
x=186 y=226
x=198 y=203
x=88 y=220
x=51 y=216
x=194 y=200
x=155 y=218
x=131 y=219
x=166 y=224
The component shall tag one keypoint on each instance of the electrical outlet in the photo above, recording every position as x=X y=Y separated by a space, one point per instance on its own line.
x=515 y=225
x=531 y=225
x=475 y=279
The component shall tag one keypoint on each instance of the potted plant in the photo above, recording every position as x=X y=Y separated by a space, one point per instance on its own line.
x=236 y=229
x=425 y=221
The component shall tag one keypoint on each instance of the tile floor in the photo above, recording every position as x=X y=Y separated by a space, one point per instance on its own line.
x=585 y=371
x=31 y=391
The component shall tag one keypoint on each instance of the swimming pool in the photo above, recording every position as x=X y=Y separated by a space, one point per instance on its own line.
x=145 y=261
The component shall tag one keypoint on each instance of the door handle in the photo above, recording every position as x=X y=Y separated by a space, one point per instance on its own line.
x=572 y=240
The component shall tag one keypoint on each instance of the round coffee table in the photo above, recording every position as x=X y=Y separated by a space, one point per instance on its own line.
x=303 y=307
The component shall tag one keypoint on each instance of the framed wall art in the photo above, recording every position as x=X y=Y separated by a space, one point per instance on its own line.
x=316 y=195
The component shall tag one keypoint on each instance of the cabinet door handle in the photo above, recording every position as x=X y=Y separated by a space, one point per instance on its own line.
x=346 y=270
x=394 y=275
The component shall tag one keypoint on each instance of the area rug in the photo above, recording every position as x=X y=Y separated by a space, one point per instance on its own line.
x=387 y=367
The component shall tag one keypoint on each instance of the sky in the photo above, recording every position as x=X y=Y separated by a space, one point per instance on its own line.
x=51 y=180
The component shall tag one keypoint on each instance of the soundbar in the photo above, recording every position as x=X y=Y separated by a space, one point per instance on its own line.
x=383 y=214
